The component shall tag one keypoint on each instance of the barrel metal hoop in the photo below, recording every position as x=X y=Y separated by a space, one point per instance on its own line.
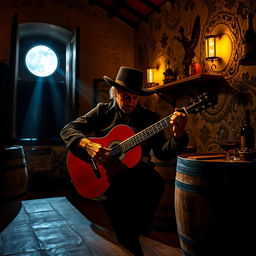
x=11 y=153
x=188 y=241
x=193 y=171
x=191 y=188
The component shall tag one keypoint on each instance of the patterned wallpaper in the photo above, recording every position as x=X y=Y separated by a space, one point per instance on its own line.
x=177 y=33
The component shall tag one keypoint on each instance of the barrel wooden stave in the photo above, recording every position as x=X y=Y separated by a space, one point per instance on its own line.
x=195 y=220
x=213 y=206
x=14 y=178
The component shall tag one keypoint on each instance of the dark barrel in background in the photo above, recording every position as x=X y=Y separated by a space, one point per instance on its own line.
x=215 y=206
x=13 y=172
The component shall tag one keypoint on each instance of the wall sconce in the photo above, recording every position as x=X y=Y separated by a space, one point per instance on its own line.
x=151 y=77
x=211 y=48
x=221 y=45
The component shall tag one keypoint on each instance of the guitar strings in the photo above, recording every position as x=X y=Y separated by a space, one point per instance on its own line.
x=116 y=150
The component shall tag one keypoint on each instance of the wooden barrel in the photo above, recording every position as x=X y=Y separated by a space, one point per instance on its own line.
x=214 y=205
x=13 y=172
x=165 y=215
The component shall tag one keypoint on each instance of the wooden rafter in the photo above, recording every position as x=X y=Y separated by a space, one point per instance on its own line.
x=116 y=5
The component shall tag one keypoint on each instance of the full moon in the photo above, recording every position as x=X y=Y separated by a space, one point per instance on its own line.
x=41 y=61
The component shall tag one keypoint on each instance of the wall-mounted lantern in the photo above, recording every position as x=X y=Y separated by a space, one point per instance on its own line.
x=211 y=48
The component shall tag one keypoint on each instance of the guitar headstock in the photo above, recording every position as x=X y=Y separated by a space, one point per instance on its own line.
x=202 y=102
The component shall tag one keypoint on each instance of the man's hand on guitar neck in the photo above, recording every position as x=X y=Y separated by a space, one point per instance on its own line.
x=178 y=122
x=97 y=152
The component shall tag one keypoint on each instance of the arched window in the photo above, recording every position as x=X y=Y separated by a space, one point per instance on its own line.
x=45 y=95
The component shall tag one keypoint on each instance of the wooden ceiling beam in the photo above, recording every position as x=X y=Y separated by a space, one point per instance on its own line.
x=135 y=12
x=113 y=13
x=151 y=5
x=116 y=4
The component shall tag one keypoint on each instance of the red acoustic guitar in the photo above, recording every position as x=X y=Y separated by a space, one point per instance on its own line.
x=91 y=180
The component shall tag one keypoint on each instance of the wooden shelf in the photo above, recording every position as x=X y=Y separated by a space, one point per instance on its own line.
x=197 y=80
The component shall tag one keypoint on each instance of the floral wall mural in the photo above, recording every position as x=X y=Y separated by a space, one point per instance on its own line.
x=178 y=33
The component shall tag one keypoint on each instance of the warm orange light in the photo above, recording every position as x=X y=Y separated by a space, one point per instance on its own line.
x=150 y=75
x=211 y=48
x=224 y=48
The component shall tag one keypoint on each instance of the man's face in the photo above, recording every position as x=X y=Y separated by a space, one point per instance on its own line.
x=126 y=101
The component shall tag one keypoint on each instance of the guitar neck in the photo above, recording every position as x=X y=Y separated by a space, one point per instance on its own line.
x=143 y=135
x=203 y=102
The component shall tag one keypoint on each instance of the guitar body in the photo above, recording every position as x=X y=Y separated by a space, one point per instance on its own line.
x=82 y=174
x=91 y=183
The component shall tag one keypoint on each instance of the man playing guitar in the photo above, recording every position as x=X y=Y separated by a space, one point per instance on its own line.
x=131 y=187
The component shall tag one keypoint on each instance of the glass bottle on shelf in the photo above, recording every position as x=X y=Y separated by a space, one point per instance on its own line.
x=195 y=67
x=249 y=44
x=169 y=75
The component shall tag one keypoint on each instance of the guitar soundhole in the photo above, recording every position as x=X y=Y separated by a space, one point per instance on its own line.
x=116 y=152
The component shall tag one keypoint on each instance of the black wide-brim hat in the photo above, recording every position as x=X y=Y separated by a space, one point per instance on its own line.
x=129 y=79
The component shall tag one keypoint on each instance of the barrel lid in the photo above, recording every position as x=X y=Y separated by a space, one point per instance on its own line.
x=10 y=147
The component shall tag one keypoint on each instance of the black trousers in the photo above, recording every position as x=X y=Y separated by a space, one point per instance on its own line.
x=132 y=200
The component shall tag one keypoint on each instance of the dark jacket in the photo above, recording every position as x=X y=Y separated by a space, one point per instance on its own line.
x=105 y=116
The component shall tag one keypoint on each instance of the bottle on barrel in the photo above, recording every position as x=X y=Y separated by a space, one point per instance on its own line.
x=247 y=133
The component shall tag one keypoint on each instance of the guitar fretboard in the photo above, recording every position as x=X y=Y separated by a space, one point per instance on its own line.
x=203 y=102
x=143 y=135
